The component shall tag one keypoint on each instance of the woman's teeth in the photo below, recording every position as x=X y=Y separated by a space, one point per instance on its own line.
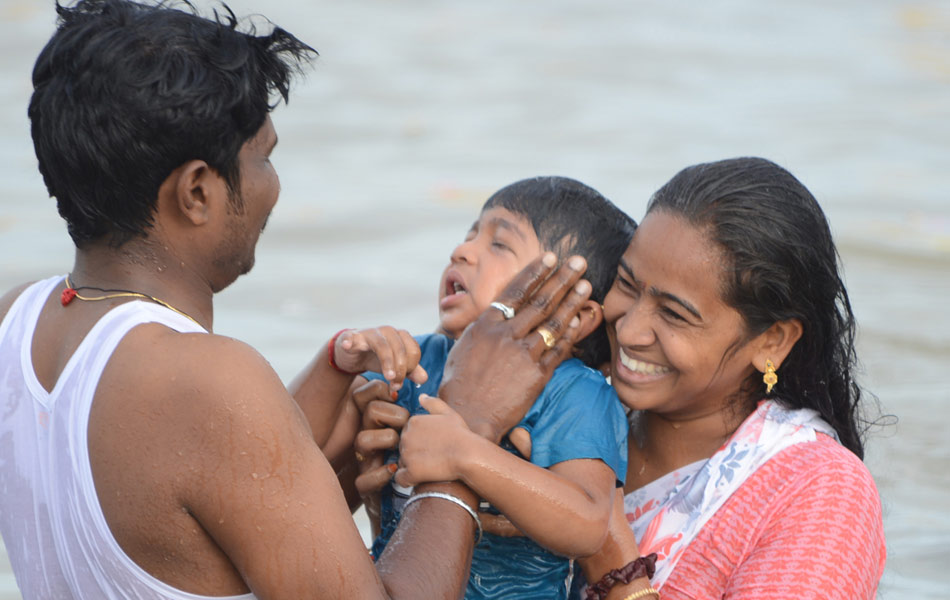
x=644 y=368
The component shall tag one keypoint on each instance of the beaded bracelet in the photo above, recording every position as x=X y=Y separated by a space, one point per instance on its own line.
x=331 y=349
x=452 y=499
x=644 y=566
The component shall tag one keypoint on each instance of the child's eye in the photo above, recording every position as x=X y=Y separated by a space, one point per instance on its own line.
x=499 y=245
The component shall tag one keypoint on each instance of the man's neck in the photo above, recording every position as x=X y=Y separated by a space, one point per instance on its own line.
x=149 y=268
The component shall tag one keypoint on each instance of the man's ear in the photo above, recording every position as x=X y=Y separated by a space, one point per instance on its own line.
x=591 y=316
x=196 y=189
x=775 y=343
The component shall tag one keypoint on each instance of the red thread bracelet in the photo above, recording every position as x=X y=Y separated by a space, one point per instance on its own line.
x=331 y=349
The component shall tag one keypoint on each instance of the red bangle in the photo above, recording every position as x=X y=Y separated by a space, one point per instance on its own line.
x=330 y=352
x=644 y=566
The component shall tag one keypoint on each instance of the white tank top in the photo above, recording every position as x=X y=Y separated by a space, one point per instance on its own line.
x=57 y=538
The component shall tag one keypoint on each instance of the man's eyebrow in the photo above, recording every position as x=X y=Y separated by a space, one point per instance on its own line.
x=508 y=225
x=628 y=271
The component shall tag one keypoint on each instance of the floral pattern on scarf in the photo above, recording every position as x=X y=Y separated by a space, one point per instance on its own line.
x=667 y=514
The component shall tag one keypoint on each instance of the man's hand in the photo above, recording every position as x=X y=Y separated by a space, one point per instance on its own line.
x=498 y=366
x=381 y=422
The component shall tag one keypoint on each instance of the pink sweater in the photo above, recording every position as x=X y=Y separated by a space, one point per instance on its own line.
x=807 y=524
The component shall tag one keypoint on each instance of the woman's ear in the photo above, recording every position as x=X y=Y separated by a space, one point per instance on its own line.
x=591 y=316
x=195 y=190
x=775 y=343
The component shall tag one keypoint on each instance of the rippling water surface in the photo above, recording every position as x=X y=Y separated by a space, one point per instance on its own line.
x=417 y=110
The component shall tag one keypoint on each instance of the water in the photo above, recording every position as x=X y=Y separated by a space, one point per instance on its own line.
x=417 y=110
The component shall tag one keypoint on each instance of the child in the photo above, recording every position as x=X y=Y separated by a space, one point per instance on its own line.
x=562 y=499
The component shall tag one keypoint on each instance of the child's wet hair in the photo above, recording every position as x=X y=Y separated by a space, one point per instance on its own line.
x=572 y=218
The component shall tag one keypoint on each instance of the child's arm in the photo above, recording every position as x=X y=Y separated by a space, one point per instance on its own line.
x=565 y=508
x=321 y=390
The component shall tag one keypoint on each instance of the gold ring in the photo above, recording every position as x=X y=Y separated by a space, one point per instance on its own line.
x=359 y=457
x=547 y=336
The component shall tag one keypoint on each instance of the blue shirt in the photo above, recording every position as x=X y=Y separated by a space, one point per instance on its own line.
x=576 y=416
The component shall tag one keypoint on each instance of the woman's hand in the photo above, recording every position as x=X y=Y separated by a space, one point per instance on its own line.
x=618 y=549
x=387 y=350
x=499 y=365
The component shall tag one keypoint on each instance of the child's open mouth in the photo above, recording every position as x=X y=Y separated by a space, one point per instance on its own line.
x=454 y=285
x=454 y=289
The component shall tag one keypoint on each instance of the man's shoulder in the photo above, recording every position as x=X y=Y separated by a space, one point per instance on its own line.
x=187 y=363
x=180 y=388
x=7 y=300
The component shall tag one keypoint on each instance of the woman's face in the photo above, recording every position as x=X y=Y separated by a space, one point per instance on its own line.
x=676 y=348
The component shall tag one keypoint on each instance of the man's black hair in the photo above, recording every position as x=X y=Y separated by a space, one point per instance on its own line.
x=572 y=218
x=125 y=92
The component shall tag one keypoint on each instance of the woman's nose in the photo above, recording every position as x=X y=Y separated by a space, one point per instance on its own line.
x=635 y=327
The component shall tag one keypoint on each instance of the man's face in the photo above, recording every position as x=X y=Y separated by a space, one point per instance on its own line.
x=248 y=212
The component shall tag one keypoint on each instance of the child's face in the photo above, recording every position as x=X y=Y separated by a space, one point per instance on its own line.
x=495 y=249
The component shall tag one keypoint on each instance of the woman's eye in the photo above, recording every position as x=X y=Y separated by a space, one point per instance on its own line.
x=625 y=285
x=673 y=314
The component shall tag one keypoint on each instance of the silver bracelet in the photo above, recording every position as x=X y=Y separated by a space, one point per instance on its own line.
x=452 y=499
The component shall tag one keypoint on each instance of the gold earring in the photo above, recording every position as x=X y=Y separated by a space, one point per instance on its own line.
x=770 y=378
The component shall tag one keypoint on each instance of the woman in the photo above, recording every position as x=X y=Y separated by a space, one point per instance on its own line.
x=732 y=344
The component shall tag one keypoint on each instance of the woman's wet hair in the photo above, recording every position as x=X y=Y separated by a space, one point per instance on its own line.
x=781 y=264
x=572 y=218
x=125 y=93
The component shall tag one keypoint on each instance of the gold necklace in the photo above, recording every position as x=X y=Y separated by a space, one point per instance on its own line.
x=70 y=292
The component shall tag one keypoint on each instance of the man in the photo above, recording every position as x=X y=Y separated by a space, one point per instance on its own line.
x=142 y=456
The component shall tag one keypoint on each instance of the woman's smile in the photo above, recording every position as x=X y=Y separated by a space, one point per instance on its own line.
x=634 y=370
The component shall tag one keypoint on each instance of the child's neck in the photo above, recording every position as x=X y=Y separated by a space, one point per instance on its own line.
x=440 y=331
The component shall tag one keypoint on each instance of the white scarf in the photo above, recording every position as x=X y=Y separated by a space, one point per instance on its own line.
x=667 y=514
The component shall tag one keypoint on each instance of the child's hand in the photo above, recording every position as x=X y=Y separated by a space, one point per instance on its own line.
x=387 y=350
x=499 y=525
x=521 y=440
x=431 y=445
